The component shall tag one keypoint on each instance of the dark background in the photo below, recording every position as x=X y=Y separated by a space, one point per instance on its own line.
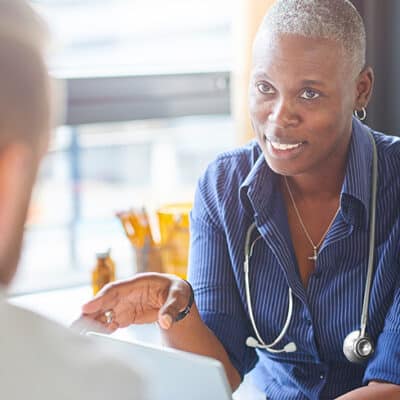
x=381 y=19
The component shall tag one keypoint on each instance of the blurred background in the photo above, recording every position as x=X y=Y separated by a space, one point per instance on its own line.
x=154 y=90
x=146 y=109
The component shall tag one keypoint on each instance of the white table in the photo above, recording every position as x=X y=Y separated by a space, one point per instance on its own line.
x=64 y=306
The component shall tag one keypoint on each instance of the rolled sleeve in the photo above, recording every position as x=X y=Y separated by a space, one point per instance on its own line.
x=385 y=364
x=216 y=292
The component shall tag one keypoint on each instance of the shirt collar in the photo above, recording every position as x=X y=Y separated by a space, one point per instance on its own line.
x=257 y=189
x=259 y=186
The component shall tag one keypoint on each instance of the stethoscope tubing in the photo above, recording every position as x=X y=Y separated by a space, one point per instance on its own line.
x=248 y=250
x=248 y=253
x=368 y=281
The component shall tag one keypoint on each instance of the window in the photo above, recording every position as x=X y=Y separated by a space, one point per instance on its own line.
x=147 y=108
x=97 y=37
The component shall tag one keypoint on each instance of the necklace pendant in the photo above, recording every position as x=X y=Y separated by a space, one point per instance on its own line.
x=314 y=256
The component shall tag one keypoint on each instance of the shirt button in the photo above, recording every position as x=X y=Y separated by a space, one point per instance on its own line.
x=322 y=376
x=307 y=320
x=317 y=275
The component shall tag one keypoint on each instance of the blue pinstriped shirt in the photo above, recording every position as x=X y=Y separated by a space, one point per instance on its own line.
x=238 y=189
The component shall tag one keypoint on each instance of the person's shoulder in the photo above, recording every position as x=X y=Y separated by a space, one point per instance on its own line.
x=54 y=357
x=388 y=144
x=388 y=154
x=218 y=188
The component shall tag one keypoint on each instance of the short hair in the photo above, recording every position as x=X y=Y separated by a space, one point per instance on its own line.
x=25 y=98
x=336 y=20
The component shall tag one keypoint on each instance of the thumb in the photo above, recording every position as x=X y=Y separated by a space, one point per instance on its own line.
x=165 y=320
x=176 y=301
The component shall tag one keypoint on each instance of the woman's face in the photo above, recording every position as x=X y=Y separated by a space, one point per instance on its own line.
x=302 y=95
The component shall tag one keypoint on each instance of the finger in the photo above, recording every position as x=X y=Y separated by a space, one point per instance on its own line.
x=124 y=318
x=83 y=325
x=103 y=301
x=125 y=313
x=134 y=311
x=112 y=327
x=129 y=316
x=104 y=326
x=177 y=300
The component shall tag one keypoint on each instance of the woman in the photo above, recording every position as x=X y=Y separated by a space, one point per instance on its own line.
x=296 y=205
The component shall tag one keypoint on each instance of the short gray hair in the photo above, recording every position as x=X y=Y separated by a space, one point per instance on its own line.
x=336 y=20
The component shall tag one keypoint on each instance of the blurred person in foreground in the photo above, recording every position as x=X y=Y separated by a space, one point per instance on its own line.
x=296 y=206
x=39 y=359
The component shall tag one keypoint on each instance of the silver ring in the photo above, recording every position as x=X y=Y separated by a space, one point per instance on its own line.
x=361 y=114
x=109 y=314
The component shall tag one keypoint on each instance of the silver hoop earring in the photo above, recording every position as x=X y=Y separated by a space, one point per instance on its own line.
x=361 y=114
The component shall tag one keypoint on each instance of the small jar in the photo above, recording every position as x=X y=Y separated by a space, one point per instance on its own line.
x=103 y=272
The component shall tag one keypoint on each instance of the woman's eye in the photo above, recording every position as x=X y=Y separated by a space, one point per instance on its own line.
x=264 y=88
x=309 y=94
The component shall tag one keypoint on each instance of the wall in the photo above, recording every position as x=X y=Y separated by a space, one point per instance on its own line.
x=249 y=14
x=383 y=54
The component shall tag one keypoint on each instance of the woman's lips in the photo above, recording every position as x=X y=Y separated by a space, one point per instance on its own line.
x=284 y=150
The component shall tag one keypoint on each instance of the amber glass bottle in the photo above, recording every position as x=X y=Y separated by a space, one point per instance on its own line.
x=103 y=272
x=111 y=263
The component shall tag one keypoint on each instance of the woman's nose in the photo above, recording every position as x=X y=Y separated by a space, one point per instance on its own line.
x=282 y=114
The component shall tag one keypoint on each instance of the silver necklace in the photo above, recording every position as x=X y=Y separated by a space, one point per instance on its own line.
x=314 y=246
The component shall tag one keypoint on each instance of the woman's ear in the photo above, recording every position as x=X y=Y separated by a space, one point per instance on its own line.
x=364 y=87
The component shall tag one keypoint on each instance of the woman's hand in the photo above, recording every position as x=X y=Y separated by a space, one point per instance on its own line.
x=145 y=298
x=151 y=297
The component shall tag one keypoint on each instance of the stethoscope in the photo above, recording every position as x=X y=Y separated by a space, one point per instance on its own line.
x=357 y=346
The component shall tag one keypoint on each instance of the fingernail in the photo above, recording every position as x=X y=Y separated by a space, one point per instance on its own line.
x=165 y=321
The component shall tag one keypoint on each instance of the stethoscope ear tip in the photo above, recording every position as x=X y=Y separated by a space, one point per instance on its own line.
x=290 y=347
x=251 y=342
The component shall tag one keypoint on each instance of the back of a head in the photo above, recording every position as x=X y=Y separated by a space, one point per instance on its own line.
x=25 y=121
x=336 y=20
x=24 y=82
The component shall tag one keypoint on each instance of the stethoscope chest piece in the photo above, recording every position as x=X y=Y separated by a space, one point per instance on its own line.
x=358 y=348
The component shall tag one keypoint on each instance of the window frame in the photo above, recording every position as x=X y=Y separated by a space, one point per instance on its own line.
x=138 y=97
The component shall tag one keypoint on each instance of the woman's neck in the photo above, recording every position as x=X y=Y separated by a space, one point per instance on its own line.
x=322 y=186
x=323 y=183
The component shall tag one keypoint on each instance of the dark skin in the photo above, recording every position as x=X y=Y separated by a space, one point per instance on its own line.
x=303 y=92
x=315 y=171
